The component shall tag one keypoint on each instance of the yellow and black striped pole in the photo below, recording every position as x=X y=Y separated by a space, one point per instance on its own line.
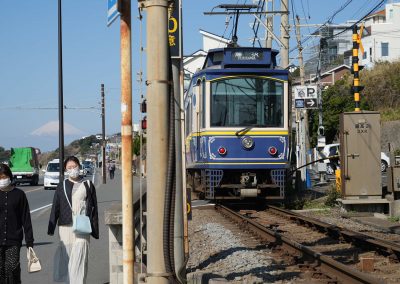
x=356 y=80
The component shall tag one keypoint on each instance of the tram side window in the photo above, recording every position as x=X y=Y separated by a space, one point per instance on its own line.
x=273 y=102
x=187 y=118
x=203 y=104
x=188 y=111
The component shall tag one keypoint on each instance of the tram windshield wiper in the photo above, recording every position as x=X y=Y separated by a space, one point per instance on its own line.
x=243 y=131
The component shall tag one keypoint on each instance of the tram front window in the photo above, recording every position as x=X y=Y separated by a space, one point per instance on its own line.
x=256 y=102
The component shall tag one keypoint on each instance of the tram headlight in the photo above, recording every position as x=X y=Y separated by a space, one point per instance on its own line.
x=247 y=142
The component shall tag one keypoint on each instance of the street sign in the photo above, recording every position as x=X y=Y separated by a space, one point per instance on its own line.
x=112 y=11
x=299 y=103
x=174 y=31
x=306 y=97
x=311 y=103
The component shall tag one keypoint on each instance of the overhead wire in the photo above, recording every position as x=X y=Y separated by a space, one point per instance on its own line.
x=360 y=20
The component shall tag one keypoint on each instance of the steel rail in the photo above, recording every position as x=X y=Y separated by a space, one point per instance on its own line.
x=327 y=265
x=358 y=239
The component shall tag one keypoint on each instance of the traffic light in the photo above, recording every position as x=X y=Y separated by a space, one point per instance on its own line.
x=143 y=106
x=144 y=123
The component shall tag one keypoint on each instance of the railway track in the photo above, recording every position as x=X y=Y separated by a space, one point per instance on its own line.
x=342 y=255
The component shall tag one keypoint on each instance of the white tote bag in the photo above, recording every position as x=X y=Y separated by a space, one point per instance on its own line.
x=33 y=261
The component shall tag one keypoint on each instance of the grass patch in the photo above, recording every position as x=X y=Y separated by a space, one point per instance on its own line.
x=332 y=195
x=314 y=204
x=390 y=114
x=394 y=219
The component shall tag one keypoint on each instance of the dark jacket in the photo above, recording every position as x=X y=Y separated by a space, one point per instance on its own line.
x=15 y=218
x=61 y=213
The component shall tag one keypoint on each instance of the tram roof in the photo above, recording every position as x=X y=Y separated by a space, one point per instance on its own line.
x=241 y=57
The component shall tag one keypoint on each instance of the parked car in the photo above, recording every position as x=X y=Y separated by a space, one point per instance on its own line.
x=52 y=174
x=385 y=162
x=335 y=148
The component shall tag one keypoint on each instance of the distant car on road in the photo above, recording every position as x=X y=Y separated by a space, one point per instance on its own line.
x=335 y=148
x=88 y=167
x=52 y=174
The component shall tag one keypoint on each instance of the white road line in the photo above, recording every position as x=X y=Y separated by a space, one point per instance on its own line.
x=32 y=190
x=43 y=207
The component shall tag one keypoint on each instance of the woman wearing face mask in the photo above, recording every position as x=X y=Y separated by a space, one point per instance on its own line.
x=15 y=217
x=71 y=258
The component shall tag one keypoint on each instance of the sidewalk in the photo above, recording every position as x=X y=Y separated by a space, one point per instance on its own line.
x=45 y=246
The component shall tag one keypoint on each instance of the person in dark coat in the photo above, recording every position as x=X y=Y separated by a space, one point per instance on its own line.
x=15 y=221
x=111 y=169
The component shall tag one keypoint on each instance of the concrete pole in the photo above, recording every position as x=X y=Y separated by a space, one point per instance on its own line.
x=157 y=132
x=270 y=24
x=128 y=239
x=285 y=34
x=304 y=141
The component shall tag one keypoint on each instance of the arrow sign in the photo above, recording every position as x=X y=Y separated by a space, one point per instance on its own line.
x=311 y=103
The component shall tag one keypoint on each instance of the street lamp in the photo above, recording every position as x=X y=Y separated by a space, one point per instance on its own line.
x=60 y=97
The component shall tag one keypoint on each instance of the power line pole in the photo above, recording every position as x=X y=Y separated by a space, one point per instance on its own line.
x=157 y=140
x=128 y=239
x=103 y=135
x=270 y=24
x=285 y=33
x=301 y=117
x=60 y=97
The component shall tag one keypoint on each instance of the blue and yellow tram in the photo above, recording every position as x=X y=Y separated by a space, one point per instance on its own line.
x=237 y=123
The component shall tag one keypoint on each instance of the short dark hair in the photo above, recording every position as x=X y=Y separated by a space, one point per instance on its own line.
x=73 y=159
x=4 y=169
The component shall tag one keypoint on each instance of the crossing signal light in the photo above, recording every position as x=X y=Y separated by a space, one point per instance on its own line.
x=144 y=123
x=143 y=106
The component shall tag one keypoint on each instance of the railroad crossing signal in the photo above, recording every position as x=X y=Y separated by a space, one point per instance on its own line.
x=356 y=88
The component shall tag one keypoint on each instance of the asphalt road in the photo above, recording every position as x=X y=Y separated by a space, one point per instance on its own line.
x=45 y=246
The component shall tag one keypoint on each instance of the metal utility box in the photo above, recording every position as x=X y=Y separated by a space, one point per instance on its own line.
x=394 y=175
x=360 y=147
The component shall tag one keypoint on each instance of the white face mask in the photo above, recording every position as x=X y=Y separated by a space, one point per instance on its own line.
x=4 y=183
x=73 y=173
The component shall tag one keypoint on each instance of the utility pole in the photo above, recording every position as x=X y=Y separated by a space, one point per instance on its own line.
x=157 y=140
x=301 y=117
x=285 y=33
x=269 y=23
x=103 y=135
x=128 y=239
x=60 y=98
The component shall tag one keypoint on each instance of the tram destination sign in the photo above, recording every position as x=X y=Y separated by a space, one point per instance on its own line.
x=245 y=55
x=306 y=97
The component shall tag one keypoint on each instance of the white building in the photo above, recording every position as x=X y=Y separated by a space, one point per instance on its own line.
x=381 y=40
x=195 y=61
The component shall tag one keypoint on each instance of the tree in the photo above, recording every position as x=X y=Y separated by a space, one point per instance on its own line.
x=4 y=154
x=136 y=144
x=335 y=100
x=382 y=85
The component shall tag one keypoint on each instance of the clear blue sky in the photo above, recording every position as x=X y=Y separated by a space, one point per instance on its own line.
x=29 y=62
